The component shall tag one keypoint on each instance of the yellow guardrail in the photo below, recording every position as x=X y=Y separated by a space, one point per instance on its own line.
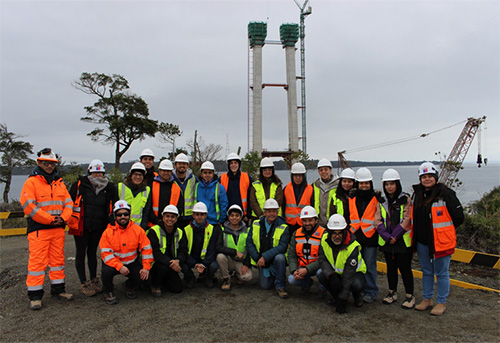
x=14 y=231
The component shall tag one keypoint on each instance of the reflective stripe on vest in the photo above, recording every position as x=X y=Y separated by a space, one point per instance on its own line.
x=244 y=182
x=307 y=256
x=217 y=197
x=229 y=241
x=136 y=203
x=175 y=194
x=209 y=230
x=367 y=222
x=278 y=232
x=260 y=194
x=407 y=236
x=339 y=264
x=292 y=209
x=442 y=226
x=188 y=195
x=317 y=201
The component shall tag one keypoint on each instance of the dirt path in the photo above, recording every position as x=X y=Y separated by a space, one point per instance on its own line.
x=246 y=314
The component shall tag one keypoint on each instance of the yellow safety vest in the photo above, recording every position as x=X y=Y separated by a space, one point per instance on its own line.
x=406 y=236
x=278 y=232
x=136 y=203
x=209 y=230
x=260 y=194
x=339 y=264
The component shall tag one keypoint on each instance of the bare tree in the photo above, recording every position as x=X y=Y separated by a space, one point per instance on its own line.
x=204 y=151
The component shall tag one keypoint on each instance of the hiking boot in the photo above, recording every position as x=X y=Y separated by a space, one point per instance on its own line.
x=63 y=296
x=87 y=289
x=358 y=300
x=226 y=284
x=130 y=293
x=409 y=302
x=110 y=298
x=368 y=299
x=390 y=298
x=35 y=305
x=438 y=310
x=96 y=284
x=155 y=291
x=424 y=305
x=282 y=293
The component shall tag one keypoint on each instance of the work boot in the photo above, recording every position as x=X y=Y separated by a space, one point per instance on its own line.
x=368 y=299
x=35 y=305
x=424 y=305
x=322 y=294
x=305 y=290
x=409 y=302
x=130 y=293
x=390 y=298
x=438 y=310
x=358 y=299
x=96 y=284
x=226 y=284
x=209 y=282
x=155 y=291
x=282 y=293
x=63 y=296
x=87 y=289
x=110 y=298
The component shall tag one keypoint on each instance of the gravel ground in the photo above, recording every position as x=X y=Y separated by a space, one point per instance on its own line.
x=245 y=314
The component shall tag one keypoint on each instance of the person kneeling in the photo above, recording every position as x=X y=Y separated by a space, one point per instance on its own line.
x=342 y=265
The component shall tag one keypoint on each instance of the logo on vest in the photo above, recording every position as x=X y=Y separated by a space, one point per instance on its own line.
x=353 y=262
x=439 y=213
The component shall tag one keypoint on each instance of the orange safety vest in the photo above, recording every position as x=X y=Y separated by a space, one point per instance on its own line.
x=292 y=209
x=367 y=222
x=244 y=184
x=307 y=257
x=175 y=193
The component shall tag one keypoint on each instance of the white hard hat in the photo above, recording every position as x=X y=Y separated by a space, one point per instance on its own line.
x=308 y=212
x=120 y=205
x=266 y=162
x=166 y=165
x=427 y=168
x=233 y=156
x=207 y=165
x=348 y=174
x=390 y=175
x=147 y=152
x=234 y=208
x=47 y=154
x=336 y=222
x=200 y=207
x=324 y=163
x=271 y=204
x=139 y=167
x=170 y=209
x=363 y=174
x=96 y=166
x=298 y=168
x=181 y=158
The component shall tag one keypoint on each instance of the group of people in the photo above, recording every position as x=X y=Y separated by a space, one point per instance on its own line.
x=168 y=229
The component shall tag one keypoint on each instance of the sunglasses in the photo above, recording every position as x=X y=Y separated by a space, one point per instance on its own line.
x=123 y=214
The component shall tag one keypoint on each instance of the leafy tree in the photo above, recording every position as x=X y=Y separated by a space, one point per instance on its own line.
x=167 y=133
x=15 y=153
x=301 y=156
x=70 y=173
x=122 y=117
x=171 y=156
x=250 y=164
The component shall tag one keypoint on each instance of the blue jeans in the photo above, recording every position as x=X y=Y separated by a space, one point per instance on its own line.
x=440 y=267
x=306 y=281
x=279 y=277
x=369 y=255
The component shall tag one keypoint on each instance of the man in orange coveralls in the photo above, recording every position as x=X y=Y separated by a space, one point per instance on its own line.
x=120 y=246
x=48 y=205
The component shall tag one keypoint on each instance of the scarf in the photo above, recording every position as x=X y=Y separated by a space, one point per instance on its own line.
x=99 y=183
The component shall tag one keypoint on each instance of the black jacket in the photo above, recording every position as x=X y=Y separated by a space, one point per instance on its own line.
x=170 y=250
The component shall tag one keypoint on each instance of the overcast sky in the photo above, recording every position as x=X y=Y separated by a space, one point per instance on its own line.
x=376 y=71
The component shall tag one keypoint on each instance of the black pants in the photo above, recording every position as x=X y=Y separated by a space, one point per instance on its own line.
x=108 y=273
x=334 y=284
x=87 y=245
x=402 y=262
x=162 y=275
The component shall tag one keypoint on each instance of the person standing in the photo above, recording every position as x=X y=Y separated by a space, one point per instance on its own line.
x=237 y=184
x=147 y=158
x=339 y=202
x=48 y=206
x=94 y=195
x=210 y=192
x=268 y=186
x=436 y=213
x=185 y=179
x=395 y=237
x=120 y=246
x=324 y=188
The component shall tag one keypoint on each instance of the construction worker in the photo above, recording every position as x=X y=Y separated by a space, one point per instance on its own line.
x=267 y=243
x=210 y=192
x=324 y=188
x=93 y=197
x=120 y=246
x=304 y=251
x=186 y=180
x=201 y=239
x=297 y=194
x=436 y=213
x=136 y=192
x=231 y=249
x=48 y=206
x=237 y=184
x=169 y=245
x=339 y=202
x=147 y=158
x=341 y=263
x=364 y=213
x=268 y=186
x=395 y=237
x=165 y=191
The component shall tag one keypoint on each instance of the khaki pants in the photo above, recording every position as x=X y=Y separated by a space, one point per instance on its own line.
x=227 y=264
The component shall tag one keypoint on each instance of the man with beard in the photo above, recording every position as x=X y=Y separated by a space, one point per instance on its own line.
x=185 y=179
x=148 y=159
x=341 y=263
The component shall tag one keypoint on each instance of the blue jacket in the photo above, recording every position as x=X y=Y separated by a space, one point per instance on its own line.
x=206 y=194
